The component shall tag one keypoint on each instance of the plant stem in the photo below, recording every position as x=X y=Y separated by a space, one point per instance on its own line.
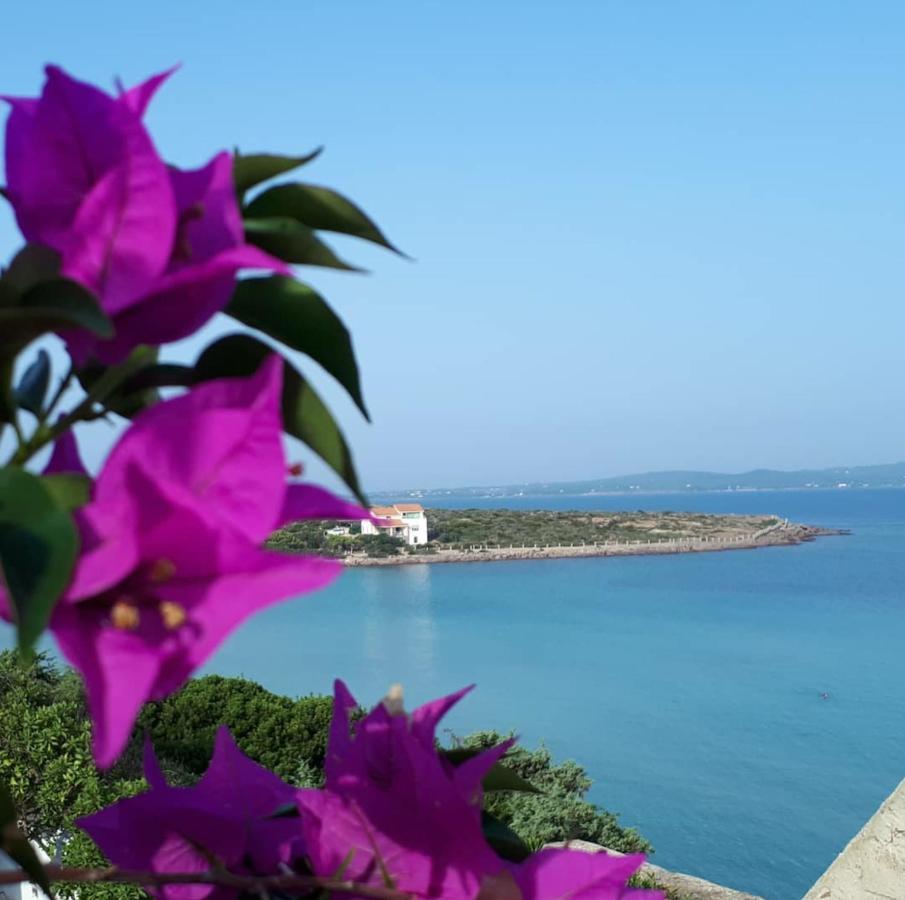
x=58 y=394
x=221 y=878
x=103 y=388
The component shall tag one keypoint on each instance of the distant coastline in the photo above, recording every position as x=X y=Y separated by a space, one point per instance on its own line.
x=647 y=492
x=885 y=476
x=785 y=534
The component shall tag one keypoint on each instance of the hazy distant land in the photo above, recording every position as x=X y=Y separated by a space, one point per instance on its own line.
x=880 y=476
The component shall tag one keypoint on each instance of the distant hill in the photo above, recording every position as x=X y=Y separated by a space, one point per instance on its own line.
x=891 y=475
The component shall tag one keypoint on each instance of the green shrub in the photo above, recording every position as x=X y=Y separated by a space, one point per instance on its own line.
x=560 y=812
x=380 y=545
x=278 y=732
x=45 y=758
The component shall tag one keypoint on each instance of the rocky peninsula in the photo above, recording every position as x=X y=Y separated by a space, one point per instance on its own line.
x=484 y=535
x=783 y=534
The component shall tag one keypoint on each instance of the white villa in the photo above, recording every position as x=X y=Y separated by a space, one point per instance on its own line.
x=402 y=520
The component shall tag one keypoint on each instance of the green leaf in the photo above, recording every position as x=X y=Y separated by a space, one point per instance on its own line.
x=15 y=844
x=50 y=306
x=505 y=842
x=33 y=264
x=108 y=385
x=502 y=778
x=160 y=375
x=138 y=390
x=499 y=778
x=66 y=304
x=69 y=489
x=141 y=390
x=319 y=208
x=293 y=242
x=256 y=168
x=300 y=318
x=38 y=547
x=32 y=389
x=304 y=414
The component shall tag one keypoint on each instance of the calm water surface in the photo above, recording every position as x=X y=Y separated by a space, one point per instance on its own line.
x=689 y=686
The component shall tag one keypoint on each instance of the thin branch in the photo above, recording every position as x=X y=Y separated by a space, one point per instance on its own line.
x=223 y=878
x=100 y=391
x=58 y=394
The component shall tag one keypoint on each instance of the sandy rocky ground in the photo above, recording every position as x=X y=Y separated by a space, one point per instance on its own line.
x=737 y=535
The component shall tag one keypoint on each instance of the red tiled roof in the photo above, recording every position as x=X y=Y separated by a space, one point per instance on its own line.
x=409 y=507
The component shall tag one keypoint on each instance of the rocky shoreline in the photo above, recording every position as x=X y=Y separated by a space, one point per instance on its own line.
x=789 y=533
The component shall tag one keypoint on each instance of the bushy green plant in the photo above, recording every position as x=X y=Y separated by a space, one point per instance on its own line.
x=45 y=757
x=380 y=545
x=560 y=811
x=278 y=732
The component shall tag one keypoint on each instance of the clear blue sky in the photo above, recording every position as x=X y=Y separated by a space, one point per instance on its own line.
x=648 y=235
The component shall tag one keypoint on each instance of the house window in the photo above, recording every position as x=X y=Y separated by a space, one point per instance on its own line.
x=414 y=540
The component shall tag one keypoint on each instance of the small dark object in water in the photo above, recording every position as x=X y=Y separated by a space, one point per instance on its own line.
x=824 y=695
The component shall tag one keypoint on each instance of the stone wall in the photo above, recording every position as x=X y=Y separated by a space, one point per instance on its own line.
x=687 y=886
x=873 y=864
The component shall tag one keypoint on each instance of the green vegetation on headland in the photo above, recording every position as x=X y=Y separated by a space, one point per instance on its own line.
x=46 y=760
x=462 y=528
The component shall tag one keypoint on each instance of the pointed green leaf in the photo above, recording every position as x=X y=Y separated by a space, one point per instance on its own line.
x=159 y=375
x=113 y=387
x=502 y=778
x=255 y=168
x=499 y=778
x=66 y=304
x=16 y=845
x=51 y=306
x=69 y=489
x=503 y=839
x=319 y=208
x=141 y=390
x=32 y=389
x=38 y=547
x=138 y=390
x=293 y=242
x=304 y=414
x=297 y=316
x=33 y=264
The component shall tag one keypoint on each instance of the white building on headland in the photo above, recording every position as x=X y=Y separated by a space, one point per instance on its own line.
x=402 y=520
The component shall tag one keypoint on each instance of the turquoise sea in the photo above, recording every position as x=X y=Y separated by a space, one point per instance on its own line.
x=689 y=686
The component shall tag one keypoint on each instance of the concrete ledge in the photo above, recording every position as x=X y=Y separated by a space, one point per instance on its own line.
x=687 y=886
x=873 y=864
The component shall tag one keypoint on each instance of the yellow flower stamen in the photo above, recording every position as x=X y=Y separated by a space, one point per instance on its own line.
x=124 y=615
x=173 y=614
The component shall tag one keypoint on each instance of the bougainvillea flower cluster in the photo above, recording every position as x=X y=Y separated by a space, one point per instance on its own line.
x=158 y=246
x=393 y=812
x=227 y=815
x=171 y=545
